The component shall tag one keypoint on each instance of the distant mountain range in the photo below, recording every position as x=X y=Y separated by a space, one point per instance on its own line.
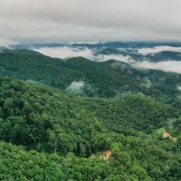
x=131 y=49
x=59 y=116
x=105 y=79
x=113 y=44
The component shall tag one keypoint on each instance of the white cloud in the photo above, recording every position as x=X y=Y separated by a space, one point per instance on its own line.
x=66 y=52
x=147 y=83
x=76 y=87
x=179 y=88
x=5 y=42
x=168 y=66
x=121 y=58
x=72 y=20
x=157 y=49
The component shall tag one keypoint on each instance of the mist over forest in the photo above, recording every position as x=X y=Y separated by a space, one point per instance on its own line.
x=159 y=56
x=90 y=90
x=90 y=111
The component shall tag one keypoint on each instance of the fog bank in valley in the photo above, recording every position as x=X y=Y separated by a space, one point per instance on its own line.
x=158 y=49
x=68 y=52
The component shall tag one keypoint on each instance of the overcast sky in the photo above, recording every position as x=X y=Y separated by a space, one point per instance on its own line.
x=89 y=20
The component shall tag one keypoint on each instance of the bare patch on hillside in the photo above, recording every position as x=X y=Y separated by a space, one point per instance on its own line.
x=166 y=134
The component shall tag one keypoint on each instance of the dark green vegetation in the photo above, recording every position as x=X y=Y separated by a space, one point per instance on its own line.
x=47 y=134
x=102 y=79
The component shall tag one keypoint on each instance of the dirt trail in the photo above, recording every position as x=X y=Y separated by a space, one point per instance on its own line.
x=166 y=134
x=106 y=154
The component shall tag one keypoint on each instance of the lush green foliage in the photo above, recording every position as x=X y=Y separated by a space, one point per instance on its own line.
x=103 y=79
x=47 y=134
x=69 y=133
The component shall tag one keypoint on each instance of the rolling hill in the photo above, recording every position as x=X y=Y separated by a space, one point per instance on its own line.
x=104 y=79
x=58 y=116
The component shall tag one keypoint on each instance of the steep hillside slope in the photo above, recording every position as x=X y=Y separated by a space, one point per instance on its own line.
x=69 y=133
x=103 y=79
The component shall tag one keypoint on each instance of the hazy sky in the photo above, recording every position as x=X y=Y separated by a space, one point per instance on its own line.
x=89 y=20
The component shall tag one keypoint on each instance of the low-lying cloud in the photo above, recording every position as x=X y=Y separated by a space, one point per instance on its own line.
x=179 y=88
x=68 y=52
x=158 y=49
x=167 y=66
x=147 y=83
x=65 y=52
x=76 y=87
x=121 y=58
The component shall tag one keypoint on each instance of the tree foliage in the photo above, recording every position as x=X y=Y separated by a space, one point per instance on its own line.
x=51 y=134
x=63 y=135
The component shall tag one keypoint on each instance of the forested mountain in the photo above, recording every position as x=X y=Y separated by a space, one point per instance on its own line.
x=71 y=132
x=93 y=45
x=48 y=132
x=104 y=79
x=127 y=44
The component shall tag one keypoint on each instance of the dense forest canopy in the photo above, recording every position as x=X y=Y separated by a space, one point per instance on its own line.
x=103 y=79
x=48 y=132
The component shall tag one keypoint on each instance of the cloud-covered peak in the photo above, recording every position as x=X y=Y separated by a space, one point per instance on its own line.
x=65 y=52
x=132 y=59
x=158 y=49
